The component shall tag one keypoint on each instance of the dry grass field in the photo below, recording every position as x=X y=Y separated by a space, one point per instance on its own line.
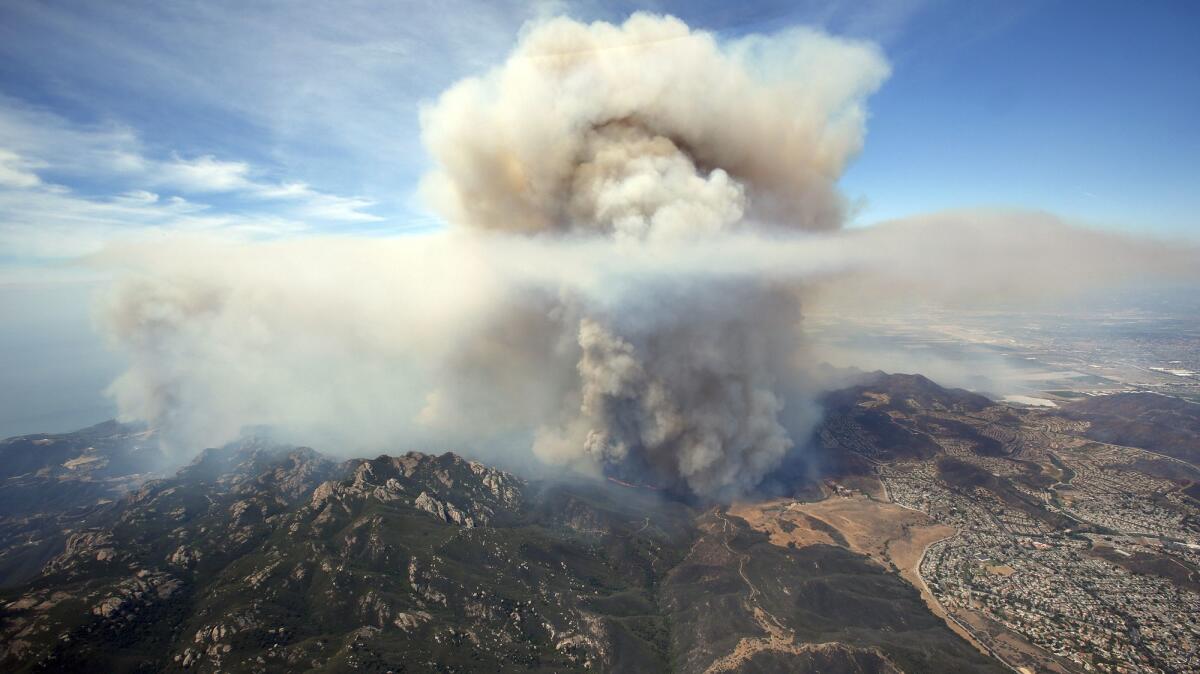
x=893 y=536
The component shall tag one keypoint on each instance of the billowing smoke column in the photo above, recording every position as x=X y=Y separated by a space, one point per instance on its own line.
x=649 y=134
x=686 y=387
x=634 y=214
x=651 y=131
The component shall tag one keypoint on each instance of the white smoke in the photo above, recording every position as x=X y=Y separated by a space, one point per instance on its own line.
x=650 y=133
x=636 y=212
x=649 y=129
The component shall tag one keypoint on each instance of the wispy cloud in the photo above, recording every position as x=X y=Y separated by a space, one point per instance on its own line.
x=330 y=91
x=205 y=174
x=269 y=119
x=52 y=143
x=209 y=174
x=54 y=222
x=15 y=171
x=67 y=189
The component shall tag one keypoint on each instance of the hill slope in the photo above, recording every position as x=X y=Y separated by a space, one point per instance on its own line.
x=264 y=558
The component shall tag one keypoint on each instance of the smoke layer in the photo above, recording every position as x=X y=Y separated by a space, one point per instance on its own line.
x=651 y=133
x=636 y=212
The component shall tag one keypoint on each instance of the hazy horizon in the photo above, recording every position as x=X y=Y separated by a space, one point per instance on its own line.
x=600 y=335
x=589 y=233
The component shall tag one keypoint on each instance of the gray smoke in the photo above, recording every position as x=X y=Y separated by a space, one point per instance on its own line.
x=635 y=214
x=650 y=134
x=684 y=383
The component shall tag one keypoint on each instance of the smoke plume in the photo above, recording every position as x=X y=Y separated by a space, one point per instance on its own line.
x=649 y=130
x=649 y=133
x=635 y=213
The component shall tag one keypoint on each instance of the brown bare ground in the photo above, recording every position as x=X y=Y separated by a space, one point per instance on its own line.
x=893 y=536
x=885 y=532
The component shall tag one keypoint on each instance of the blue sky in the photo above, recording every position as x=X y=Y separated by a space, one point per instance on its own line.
x=283 y=118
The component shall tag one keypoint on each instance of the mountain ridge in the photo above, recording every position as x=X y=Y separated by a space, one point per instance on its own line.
x=263 y=557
